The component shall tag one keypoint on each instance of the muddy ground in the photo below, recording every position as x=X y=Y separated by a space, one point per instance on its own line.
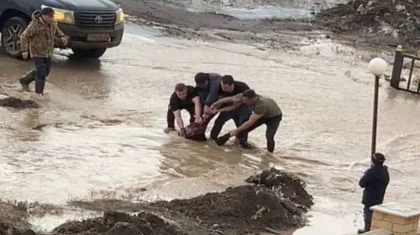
x=14 y=216
x=243 y=209
x=380 y=22
x=360 y=23
x=177 y=22
x=13 y=102
x=271 y=201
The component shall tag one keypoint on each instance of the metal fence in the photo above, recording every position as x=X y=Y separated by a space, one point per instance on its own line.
x=412 y=84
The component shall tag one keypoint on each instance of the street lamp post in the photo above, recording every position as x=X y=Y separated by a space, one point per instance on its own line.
x=377 y=67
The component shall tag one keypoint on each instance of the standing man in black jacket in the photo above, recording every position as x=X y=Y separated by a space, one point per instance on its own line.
x=374 y=181
x=228 y=87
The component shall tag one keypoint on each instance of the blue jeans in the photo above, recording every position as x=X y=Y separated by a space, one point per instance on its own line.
x=39 y=74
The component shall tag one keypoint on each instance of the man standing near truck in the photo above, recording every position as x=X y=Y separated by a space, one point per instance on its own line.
x=37 y=42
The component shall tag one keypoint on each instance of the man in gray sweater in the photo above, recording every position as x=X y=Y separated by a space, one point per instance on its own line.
x=207 y=86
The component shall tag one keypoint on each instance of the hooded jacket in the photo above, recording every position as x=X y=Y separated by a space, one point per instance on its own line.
x=38 y=37
x=374 y=181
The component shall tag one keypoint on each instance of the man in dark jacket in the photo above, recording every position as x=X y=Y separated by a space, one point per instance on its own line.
x=184 y=97
x=228 y=87
x=374 y=181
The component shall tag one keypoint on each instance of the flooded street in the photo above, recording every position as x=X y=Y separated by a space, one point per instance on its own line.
x=104 y=127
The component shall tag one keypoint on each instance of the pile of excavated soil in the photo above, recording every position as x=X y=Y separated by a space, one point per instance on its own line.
x=277 y=200
x=274 y=200
x=286 y=185
x=117 y=223
x=242 y=209
x=13 y=219
x=398 y=20
x=12 y=102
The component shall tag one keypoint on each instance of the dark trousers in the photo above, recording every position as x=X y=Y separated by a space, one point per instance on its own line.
x=367 y=215
x=203 y=96
x=39 y=74
x=239 y=116
x=171 y=117
x=272 y=124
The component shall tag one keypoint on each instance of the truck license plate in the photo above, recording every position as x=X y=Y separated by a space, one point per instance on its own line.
x=98 y=37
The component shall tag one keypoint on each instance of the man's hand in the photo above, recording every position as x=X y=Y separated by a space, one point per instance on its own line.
x=234 y=132
x=25 y=55
x=206 y=109
x=182 y=132
x=198 y=120
x=64 y=40
x=209 y=113
x=214 y=106
x=214 y=111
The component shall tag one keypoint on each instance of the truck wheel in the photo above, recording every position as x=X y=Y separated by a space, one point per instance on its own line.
x=90 y=53
x=10 y=36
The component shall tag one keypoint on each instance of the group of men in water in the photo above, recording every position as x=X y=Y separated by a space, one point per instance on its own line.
x=215 y=94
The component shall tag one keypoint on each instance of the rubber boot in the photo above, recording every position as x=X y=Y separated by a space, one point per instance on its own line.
x=27 y=79
x=244 y=143
x=223 y=139
x=39 y=86
x=167 y=130
x=365 y=229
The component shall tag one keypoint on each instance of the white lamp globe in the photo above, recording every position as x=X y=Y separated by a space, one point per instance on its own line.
x=377 y=66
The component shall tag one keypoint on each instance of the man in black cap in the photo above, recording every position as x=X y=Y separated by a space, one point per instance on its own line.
x=374 y=181
x=207 y=85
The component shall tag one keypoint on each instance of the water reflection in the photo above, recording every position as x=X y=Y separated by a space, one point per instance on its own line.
x=192 y=159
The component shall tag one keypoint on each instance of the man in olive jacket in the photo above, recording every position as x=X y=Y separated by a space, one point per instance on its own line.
x=374 y=181
x=37 y=41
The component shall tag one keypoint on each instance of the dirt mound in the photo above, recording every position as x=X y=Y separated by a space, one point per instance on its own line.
x=276 y=201
x=13 y=219
x=399 y=19
x=285 y=184
x=117 y=223
x=8 y=101
x=241 y=209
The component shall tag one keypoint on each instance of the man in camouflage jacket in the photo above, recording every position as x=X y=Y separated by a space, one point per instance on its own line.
x=37 y=41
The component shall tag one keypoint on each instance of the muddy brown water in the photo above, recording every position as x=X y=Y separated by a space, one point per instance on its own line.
x=104 y=138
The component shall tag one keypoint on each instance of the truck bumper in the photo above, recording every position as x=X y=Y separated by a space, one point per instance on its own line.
x=78 y=37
